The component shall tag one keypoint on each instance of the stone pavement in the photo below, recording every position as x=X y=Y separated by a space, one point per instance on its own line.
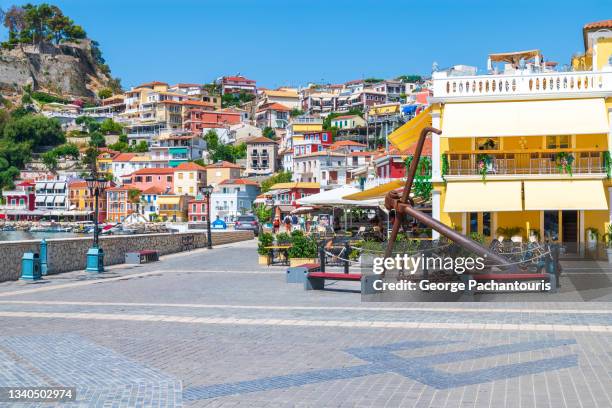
x=212 y=328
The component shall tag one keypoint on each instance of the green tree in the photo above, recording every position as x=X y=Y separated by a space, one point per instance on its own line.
x=141 y=147
x=110 y=127
x=282 y=177
x=296 y=112
x=122 y=145
x=105 y=93
x=97 y=139
x=236 y=99
x=410 y=78
x=269 y=133
x=35 y=24
x=35 y=130
x=263 y=213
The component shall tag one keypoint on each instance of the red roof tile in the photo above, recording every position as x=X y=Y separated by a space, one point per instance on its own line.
x=124 y=157
x=191 y=166
x=154 y=170
x=153 y=190
x=150 y=84
x=598 y=24
x=342 y=143
x=260 y=139
x=223 y=165
x=274 y=106
x=426 y=148
x=240 y=181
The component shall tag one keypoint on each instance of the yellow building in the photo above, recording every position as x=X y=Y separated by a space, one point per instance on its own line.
x=526 y=146
x=189 y=178
x=173 y=207
x=221 y=171
x=105 y=161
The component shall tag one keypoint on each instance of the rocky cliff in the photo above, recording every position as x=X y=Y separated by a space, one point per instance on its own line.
x=67 y=69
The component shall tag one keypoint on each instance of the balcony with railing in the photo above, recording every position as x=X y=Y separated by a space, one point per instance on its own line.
x=522 y=84
x=521 y=162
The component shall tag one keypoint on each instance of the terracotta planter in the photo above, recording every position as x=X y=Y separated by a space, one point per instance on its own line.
x=301 y=261
x=264 y=260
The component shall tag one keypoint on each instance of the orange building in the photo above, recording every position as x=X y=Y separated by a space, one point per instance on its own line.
x=118 y=206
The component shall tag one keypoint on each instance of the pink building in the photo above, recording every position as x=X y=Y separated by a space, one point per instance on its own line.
x=197 y=211
x=238 y=84
x=18 y=203
x=143 y=179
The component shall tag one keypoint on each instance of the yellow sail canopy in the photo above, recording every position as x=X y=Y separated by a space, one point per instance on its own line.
x=407 y=134
x=376 y=192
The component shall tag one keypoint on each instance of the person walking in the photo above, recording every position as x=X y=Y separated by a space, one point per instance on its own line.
x=287 y=222
x=294 y=222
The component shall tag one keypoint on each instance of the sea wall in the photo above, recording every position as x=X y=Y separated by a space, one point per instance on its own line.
x=69 y=254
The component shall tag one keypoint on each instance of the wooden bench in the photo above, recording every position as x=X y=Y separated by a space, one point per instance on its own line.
x=316 y=280
x=511 y=277
x=297 y=274
x=139 y=257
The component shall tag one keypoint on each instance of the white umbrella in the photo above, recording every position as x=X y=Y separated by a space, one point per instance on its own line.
x=333 y=198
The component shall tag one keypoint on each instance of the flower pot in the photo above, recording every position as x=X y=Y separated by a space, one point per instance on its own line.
x=301 y=261
x=264 y=260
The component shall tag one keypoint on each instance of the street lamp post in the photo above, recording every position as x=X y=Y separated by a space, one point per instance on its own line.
x=207 y=192
x=95 y=254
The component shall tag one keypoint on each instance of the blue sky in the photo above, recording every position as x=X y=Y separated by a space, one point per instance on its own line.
x=294 y=42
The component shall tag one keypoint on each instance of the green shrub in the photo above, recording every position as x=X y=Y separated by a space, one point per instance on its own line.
x=303 y=247
x=265 y=239
x=283 y=238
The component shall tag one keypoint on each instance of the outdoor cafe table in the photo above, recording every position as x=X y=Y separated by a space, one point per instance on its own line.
x=284 y=249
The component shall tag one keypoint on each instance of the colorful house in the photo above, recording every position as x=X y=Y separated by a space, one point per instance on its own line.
x=19 y=203
x=173 y=207
x=118 y=205
x=348 y=122
x=197 y=210
x=161 y=178
x=232 y=198
x=189 y=178
x=79 y=199
x=222 y=170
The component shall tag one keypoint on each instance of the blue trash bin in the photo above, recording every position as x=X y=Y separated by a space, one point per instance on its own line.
x=30 y=266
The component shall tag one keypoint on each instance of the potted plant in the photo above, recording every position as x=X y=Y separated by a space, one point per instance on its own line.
x=515 y=233
x=485 y=164
x=371 y=249
x=265 y=240
x=303 y=250
x=592 y=237
x=607 y=237
x=564 y=162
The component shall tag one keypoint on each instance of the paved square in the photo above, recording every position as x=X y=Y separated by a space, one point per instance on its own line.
x=212 y=328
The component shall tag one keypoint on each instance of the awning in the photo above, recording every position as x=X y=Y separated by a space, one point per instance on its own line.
x=376 y=192
x=565 y=195
x=409 y=133
x=303 y=210
x=336 y=198
x=514 y=57
x=526 y=118
x=478 y=196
